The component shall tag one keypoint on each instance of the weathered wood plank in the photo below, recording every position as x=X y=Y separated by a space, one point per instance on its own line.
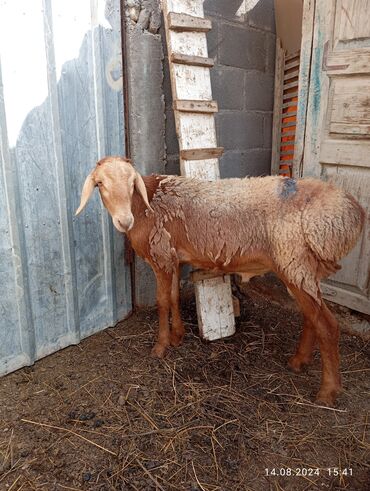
x=351 y=152
x=191 y=83
x=196 y=130
x=345 y=63
x=185 y=22
x=192 y=60
x=349 y=106
x=188 y=43
x=195 y=106
x=201 y=153
x=190 y=7
x=278 y=98
x=201 y=169
x=201 y=274
x=214 y=321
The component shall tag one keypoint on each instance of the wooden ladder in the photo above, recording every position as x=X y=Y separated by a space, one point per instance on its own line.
x=194 y=110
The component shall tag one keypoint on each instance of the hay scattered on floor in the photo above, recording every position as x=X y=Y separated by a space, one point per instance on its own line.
x=209 y=417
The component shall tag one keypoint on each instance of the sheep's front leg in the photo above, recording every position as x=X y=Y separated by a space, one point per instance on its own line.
x=177 y=330
x=164 y=283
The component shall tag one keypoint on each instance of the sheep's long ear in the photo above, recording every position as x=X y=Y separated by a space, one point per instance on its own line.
x=87 y=191
x=141 y=189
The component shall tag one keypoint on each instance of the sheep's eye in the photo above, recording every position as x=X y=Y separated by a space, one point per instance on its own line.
x=99 y=183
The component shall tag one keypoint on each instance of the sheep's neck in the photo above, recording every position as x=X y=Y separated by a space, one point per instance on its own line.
x=138 y=206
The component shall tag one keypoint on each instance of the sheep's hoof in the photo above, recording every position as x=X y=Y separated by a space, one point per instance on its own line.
x=325 y=400
x=176 y=338
x=327 y=397
x=296 y=364
x=158 y=351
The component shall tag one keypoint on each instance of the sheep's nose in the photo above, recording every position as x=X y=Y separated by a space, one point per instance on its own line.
x=126 y=223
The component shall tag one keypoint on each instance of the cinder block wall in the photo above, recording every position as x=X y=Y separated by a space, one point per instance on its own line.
x=243 y=84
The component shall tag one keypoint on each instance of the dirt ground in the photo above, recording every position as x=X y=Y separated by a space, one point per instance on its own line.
x=221 y=416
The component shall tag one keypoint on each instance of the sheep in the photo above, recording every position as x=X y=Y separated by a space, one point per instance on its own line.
x=297 y=228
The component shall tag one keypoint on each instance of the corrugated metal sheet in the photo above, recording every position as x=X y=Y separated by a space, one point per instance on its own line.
x=61 y=109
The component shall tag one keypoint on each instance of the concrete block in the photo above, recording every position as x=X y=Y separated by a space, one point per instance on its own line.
x=212 y=39
x=146 y=103
x=167 y=84
x=228 y=87
x=223 y=8
x=242 y=47
x=267 y=130
x=145 y=284
x=255 y=162
x=270 y=52
x=147 y=126
x=240 y=130
x=262 y=15
x=259 y=91
x=173 y=165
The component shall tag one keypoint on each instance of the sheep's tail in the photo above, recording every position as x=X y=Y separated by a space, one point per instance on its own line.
x=332 y=226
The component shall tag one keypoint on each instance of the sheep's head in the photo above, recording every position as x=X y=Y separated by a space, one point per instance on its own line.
x=116 y=179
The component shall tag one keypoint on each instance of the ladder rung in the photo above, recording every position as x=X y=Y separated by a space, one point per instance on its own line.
x=195 y=106
x=288 y=125
x=184 y=22
x=192 y=60
x=286 y=162
x=287 y=133
x=201 y=153
x=289 y=104
x=290 y=95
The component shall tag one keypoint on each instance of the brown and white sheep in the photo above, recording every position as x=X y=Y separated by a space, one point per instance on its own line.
x=298 y=229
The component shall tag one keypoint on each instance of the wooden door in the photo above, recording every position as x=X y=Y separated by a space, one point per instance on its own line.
x=337 y=129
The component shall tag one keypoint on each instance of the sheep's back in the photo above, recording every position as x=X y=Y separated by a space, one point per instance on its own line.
x=221 y=218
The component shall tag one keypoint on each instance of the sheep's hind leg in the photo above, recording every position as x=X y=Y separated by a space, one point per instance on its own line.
x=177 y=329
x=164 y=281
x=307 y=341
x=327 y=334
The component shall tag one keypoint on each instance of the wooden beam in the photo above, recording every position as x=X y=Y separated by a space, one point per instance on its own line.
x=184 y=22
x=192 y=60
x=201 y=153
x=202 y=274
x=195 y=106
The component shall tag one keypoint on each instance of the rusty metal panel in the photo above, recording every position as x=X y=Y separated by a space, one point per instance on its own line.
x=61 y=109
